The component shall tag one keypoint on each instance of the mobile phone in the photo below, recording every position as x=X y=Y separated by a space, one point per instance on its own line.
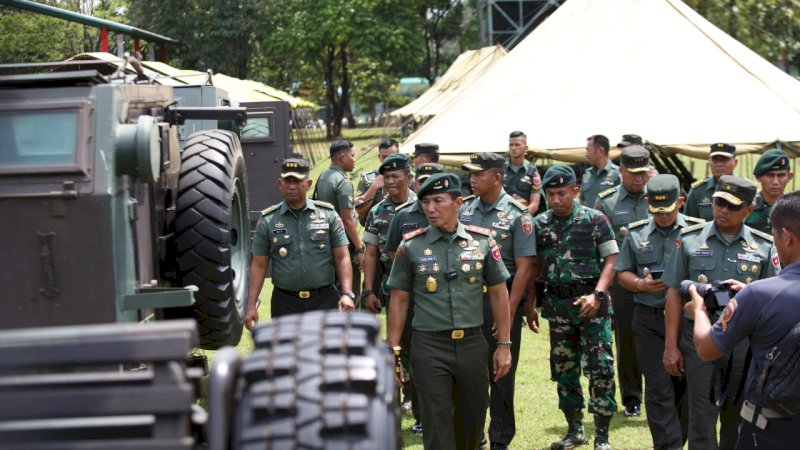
x=656 y=273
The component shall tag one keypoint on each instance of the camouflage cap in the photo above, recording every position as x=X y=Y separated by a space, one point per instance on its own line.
x=479 y=162
x=425 y=170
x=774 y=159
x=736 y=190
x=629 y=139
x=438 y=183
x=295 y=167
x=722 y=149
x=558 y=176
x=396 y=161
x=430 y=149
x=662 y=193
x=635 y=158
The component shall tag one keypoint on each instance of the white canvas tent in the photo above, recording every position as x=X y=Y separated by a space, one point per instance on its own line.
x=468 y=67
x=651 y=67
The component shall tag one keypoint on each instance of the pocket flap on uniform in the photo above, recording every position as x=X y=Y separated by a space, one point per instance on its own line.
x=702 y=263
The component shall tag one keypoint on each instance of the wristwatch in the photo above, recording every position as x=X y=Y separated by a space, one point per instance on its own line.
x=600 y=295
x=350 y=294
x=361 y=249
x=365 y=293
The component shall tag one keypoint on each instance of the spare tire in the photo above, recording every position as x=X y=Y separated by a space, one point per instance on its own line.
x=319 y=380
x=212 y=233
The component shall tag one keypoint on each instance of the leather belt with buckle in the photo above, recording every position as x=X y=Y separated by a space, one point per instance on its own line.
x=749 y=411
x=305 y=294
x=458 y=333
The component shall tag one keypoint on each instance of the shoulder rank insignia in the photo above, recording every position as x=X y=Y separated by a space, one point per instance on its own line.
x=323 y=204
x=415 y=233
x=638 y=223
x=698 y=183
x=761 y=234
x=694 y=219
x=266 y=211
x=517 y=203
x=480 y=230
x=469 y=197
x=699 y=226
x=607 y=192
x=403 y=205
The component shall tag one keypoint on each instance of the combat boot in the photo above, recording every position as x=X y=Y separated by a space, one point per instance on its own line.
x=575 y=435
x=601 y=424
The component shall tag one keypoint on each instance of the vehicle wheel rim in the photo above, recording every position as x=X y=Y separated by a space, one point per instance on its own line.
x=239 y=236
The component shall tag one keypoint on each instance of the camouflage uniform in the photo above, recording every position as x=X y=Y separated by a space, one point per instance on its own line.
x=365 y=181
x=376 y=231
x=571 y=252
x=759 y=218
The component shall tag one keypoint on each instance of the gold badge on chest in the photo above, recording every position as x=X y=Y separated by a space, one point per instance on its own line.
x=283 y=252
x=702 y=279
x=430 y=284
x=427 y=252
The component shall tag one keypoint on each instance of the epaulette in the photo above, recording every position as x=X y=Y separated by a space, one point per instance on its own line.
x=403 y=205
x=694 y=219
x=693 y=228
x=415 y=233
x=638 y=223
x=519 y=205
x=608 y=192
x=469 y=197
x=323 y=204
x=760 y=233
x=266 y=211
x=480 y=230
x=698 y=183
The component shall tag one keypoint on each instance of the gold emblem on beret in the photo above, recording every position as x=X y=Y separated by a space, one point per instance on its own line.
x=283 y=252
x=754 y=269
x=702 y=279
x=427 y=252
x=478 y=266
x=465 y=268
x=431 y=284
x=435 y=267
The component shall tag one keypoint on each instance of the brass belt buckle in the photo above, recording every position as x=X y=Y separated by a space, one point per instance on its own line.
x=304 y=294
x=457 y=334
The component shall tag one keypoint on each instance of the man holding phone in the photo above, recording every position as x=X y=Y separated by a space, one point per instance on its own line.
x=640 y=265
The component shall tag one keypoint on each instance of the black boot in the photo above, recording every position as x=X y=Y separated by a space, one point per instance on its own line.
x=575 y=435
x=601 y=424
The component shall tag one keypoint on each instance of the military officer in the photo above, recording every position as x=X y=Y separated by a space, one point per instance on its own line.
x=722 y=249
x=623 y=205
x=602 y=174
x=370 y=185
x=305 y=242
x=446 y=266
x=425 y=153
x=648 y=244
x=409 y=216
x=512 y=227
x=334 y=187
x=764 y=312
x=629 y=139
x=521 y=178
x=773 y=173
x=576 y=251
x=722 y=161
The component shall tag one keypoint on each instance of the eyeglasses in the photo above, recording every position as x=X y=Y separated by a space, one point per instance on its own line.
x=721 y=203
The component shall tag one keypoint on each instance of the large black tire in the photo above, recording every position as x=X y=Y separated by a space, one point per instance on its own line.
x=212 y=233
x=320 y=380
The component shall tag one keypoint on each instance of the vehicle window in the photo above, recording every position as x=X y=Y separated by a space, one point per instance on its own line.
x=38 y=138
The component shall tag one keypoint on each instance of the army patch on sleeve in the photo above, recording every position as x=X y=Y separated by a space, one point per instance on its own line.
x=527 y=227
x=677 y=243
x=727 y=314
x=776 y=261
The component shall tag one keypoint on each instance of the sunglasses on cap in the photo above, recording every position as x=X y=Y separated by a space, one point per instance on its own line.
x=722 y=203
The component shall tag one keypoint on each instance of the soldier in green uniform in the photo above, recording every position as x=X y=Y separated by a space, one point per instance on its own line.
x=623 y=205
x=773 y=173
x=576 y=254
x=602 y=174
x=370 y=184
x=640 y=264
x=629 y=139
x=334 y=187
x=305 y=242
x=425 y=153
x=446 y=266
x=722 y=249
x=512 y=227
x=722 y=161
x=521 y=178
x=409 y=216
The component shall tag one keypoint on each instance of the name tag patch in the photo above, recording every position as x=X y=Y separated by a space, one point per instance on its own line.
x=621 y=213
x=704 y=252
x=645 y=249
x=319 y=226
x=409 y=227
x=280 y=231
x=427 y=259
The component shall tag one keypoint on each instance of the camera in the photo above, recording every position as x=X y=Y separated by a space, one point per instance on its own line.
x=716 y=295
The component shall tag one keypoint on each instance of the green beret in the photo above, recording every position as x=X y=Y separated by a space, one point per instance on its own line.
x=425 y=170
x=438 y=183
x=774 y=159
x=479 y=162
x=662 y=193
x=635 y=158
x=558 y=176
x=396 y=161
x=735 y=190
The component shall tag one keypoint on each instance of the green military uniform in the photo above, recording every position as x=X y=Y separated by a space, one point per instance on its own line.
x=521 y=180
x=409 y=216
x=644 y=249
x=365 y=181
x=622 y=208
x=512 y=227
x=759 y=218
x=334 y=187
x=595 y=181
x=698 y=202
x=704 y=254
x=299 y=245
x=376 y=229
x=447 y=272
